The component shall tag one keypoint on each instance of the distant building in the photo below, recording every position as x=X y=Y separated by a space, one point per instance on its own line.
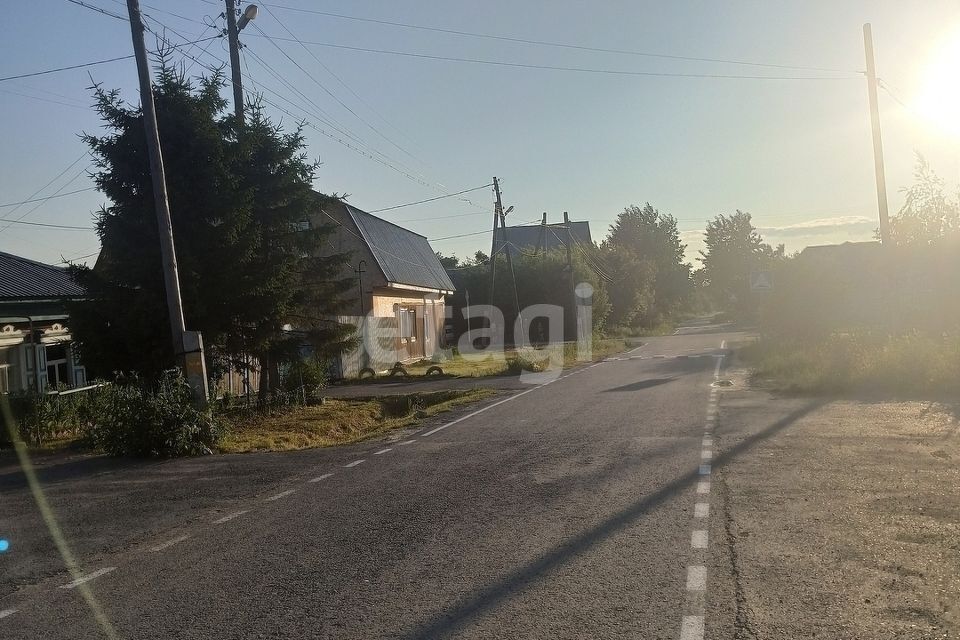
x=36 y=350
x=401 y=285
x=534 y=238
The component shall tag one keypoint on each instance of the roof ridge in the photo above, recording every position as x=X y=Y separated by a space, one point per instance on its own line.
x=33 y=262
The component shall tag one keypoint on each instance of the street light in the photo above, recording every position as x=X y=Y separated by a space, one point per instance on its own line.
x=250 y=13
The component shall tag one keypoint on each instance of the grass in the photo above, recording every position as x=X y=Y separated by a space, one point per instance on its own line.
x=898 y=365
x=338 y=422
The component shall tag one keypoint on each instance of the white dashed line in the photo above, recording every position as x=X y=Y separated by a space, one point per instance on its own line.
x=707 y=441
x=282 y=494
x=696 y=578
x=692 y=628
x=706 y=454
x=701 y=510
x=169 y=543
x=704 y=470
x=703 y=487
x=353 y=464
x=698 y=539
x=383 y=451
x=406 y=442
x=319 y=478
x=87 y=578
x=229 y=517
x=7 y=612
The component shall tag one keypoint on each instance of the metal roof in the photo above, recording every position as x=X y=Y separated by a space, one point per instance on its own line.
x=404 y=257
x=554 y=236
x=23 y=279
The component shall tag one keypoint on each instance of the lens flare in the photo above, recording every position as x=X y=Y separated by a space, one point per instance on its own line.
x=939 y=97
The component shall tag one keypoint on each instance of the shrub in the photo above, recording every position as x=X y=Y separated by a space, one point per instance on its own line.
x=307 y=376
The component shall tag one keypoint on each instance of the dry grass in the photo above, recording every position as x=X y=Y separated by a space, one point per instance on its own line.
x=337 y=421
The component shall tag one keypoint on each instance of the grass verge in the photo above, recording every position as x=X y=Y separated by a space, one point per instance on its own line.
x=901 y=365
x=338 y=421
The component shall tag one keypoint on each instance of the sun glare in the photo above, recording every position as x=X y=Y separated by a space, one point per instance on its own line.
x=938 y=99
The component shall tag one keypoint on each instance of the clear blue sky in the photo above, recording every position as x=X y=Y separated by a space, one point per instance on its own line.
x=796 y=154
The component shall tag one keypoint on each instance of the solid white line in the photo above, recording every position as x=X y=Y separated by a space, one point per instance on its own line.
x=691 y=628
x=701 y=510
x=704 y=470
x=406 y=442
x=703 y=487
x=479 y=411
x=319 y=478
x=698 y=539
x=282 y=494
x=231 y=516
x=383 y=451
x=87 y=578
x=696 y=578
x=169 y=543
x=7 y=612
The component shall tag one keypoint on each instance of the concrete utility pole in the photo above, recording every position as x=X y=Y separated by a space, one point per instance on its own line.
x=233 y=39
x=497 y=207
x=569 y=242
x=877 y=143
x=187 y=346
x=506 y=249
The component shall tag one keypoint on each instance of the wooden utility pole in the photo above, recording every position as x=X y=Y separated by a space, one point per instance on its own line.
x=497 y=208
x=877 y=143
x=234 y=41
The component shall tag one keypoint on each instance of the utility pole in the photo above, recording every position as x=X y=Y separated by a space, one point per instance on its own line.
x=233 y=39
x=497 y=207
x=877 y=143
x=187 y=346
x=506 y=249
x=573 y=295
x=542 y=238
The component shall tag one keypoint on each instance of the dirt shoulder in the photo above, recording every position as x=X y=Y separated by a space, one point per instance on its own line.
x=842 y=516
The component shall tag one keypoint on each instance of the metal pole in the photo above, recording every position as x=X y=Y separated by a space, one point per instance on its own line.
x=877 y=143
x=233 y=40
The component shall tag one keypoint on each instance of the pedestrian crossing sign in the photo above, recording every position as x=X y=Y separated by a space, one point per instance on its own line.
x=761 y=281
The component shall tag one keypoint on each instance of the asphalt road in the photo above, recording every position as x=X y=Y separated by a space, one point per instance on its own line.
x=575 y=509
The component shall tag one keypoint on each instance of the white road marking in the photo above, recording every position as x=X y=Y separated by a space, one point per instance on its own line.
x=319 y=478
x=87 y=578
x=231 y=516
x=701 y=510
x=707 y=441
x=698 y=539
x=703 y=487
x=406 y=442
x=706 y=454
x=691 y=628
x=479 y=411
x=7 y=612
x=169 y=543
x=704 y=470
x=383 y=451
x=696 y=578
x=282 y=494
x=353 y=464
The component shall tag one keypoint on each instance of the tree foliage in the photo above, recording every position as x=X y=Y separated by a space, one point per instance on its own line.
x=240 y=199
x=928 y=213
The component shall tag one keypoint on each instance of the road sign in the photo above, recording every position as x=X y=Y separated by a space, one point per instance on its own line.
x=761 y=281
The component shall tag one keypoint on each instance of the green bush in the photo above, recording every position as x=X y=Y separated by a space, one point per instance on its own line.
x=161 y=422
x=306 y=376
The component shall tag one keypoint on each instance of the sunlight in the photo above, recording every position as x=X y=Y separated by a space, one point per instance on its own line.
x=938 y=99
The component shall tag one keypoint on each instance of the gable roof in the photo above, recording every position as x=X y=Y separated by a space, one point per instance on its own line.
x=404 y=257
x=23 y=279
x=529 y=237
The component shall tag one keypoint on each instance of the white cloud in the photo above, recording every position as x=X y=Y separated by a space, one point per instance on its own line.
x=821 y=226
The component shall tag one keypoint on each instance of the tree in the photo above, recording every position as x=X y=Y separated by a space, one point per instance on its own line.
x=448 y=262
x=733 y=250
x=928 y=214
x=652 y=279
x=240 y=199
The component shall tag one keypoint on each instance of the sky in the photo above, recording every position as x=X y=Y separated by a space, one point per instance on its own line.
x=392 y=129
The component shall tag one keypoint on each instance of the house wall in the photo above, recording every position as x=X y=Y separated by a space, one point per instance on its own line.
x=341 y=240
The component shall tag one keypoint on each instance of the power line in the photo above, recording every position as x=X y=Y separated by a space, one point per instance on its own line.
x=79 y=3
x=563 y=45
x=49 y=225
x=52 y=180
x=449 y=195
x=75 y=66
x=59 y=195
x=477 y=233
x=522 y=65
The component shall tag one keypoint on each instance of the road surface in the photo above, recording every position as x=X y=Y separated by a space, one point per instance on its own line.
x=581 y=508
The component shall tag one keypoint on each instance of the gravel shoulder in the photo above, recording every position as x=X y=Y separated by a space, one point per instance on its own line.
x=842 y=518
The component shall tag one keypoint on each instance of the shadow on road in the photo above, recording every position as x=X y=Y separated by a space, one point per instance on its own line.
x=485 y=599
x=640 y=385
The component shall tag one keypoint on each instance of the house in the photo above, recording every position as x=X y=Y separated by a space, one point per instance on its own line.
x=542 y=237
x=34 y=327
x=401 y=287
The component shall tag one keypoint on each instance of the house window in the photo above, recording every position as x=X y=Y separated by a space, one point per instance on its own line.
x=7 y=369
x=57 y=365
x=407 y=323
